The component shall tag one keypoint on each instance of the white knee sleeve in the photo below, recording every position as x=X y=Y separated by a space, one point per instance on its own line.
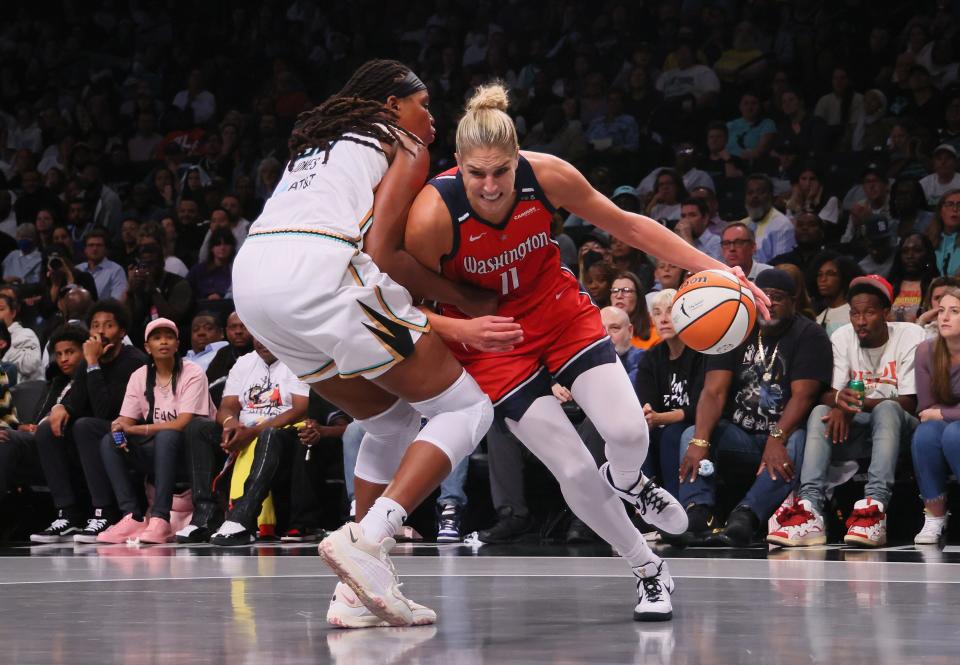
x=459 y=417
x=386 y=438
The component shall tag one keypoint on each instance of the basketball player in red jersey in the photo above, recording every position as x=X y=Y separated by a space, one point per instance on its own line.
x=487 y=223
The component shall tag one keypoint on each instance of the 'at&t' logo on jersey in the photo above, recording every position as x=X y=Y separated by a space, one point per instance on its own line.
x=507 y=257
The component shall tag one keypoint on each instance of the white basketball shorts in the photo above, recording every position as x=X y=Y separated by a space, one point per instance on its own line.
x=323 y=307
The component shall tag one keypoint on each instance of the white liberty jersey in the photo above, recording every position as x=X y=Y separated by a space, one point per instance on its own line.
x=332 y=199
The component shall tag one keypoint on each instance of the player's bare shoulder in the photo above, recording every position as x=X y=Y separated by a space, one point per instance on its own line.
x=429 y=231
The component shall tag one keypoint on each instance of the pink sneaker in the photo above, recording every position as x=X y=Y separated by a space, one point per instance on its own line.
x=124 y=530
x=157 y=531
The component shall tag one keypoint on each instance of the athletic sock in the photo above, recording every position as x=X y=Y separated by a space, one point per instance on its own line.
x=640 y=554
x=383 y=520
x=623 y=479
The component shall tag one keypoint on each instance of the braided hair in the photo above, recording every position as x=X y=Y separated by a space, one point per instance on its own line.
x=152 y=382
x=358 y=108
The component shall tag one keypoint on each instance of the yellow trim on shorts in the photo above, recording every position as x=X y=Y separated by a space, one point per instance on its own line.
x=366 y=223
x=330 y=235
x=396 y=319
x=385 y=365
x=317 y=373
x=356 y=274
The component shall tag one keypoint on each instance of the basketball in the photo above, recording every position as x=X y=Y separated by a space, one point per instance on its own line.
x=712 y=312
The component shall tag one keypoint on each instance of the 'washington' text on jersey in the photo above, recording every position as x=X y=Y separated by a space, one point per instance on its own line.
x=477 y=266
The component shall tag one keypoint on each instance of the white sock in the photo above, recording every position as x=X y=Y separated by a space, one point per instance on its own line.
x=640 y=554
x=624 y=479
x=383 y=520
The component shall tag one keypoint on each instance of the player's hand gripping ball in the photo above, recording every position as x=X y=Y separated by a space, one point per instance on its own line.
x=712 y=312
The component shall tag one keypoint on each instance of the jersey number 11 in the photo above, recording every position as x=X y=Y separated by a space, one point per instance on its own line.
x=509 y=281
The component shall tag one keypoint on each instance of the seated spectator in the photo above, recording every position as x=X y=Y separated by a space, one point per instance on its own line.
x=830 y=276
x=8 y=369
x=73 y=303
x=668 y=382
x=152 y=291
x=110 y=277
x=808 y=232
x=841 y=109
x=936 y=441
x=618 y=326
x=689 y=79
x=692 y=227
x=261 y=393
x=870 y=199
x=624 y=257
x=744 y=62
x=668 y=276
x=8 y=218
x=773 y=233
x=239 y=343
x=943 y=232
x=626 y=294
x=719 y=163
x=754 y=405
x=24 y=351
x=222 y=218
x=212 y=279
x=664 y=205
x=804 y=306
x=872 y=130
x=162 y=397
x=195 y=99
x=125 y=252
x=173 y=242
x=944 y=177
x=908 y=212
x=931 y=303
x=60 y=274
x=555 y=135
x=750 y=136
x=206 y=339
x=68 y=441
x=876 y=427
x=716 y=224
x=24 y=264
x=881 y=244
x=738 y=246
x=18 y=458
x=806 y=193
x=685 y=161
x=615 y=131
x=599 y=276
x=808 y=133
x=914 y=267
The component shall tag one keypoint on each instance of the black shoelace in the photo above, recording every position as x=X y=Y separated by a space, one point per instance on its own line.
x=649 y=498
x=652 y=589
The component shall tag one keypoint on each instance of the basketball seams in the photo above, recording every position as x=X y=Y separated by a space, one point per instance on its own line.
x=708 y=326
x=702 y=314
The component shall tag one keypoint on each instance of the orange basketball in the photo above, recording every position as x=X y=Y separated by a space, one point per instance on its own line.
x=712 y=312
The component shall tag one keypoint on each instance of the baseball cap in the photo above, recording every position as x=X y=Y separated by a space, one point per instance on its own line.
x=774 y=278
x=871 y=284
x=945 y=147
x=625 y=189
x=161 y=323
x=877 y=228
x=873 y=168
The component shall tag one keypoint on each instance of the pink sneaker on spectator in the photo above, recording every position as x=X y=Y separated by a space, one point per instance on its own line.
x=124 y=530
x=158 y=531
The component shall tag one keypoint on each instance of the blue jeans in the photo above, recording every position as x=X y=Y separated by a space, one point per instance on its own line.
x=765 y=495
x=936 y=452
x=663 y=459
x=452 y=489
x=877 y=436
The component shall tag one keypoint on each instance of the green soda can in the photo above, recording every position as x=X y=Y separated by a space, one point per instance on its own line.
x=858 y=386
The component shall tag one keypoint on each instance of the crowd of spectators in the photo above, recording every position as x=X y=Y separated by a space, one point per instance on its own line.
x=139 y=139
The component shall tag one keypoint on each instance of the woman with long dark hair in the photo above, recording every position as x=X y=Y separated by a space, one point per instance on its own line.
x=162 y=398
x=914 y=267
x=213 y=278
x=627 y=293
x=829 y=277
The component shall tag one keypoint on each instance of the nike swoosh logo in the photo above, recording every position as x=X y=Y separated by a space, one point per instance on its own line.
x=388 y=513
x=476 y=238
x=352 y=537
x=561 y=293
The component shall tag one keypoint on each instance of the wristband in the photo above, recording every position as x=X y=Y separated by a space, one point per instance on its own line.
x=92 y=368
x=836 y=399
x=701 y=443
x=226 y=420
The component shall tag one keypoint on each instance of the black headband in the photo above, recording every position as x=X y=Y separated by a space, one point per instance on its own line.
x=408 y=85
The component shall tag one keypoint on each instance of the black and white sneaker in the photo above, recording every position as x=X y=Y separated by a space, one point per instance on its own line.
x=60 y=530
x=95 y=526
x=232 y=534
x=448 y=523
x=654 y=504
x=193 y=534
x=654 y=586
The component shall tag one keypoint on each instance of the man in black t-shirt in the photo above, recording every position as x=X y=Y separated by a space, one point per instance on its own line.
x=753 y=408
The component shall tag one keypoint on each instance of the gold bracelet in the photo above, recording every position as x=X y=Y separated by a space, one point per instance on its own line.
x=702 y=443
x=226 y=420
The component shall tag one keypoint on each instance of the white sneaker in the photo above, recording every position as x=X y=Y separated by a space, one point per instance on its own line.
x=654 y=586
x=799 y=525
x=654 y=504
x=346 y=611
x=366 y=568
x=867 y=524
x=933 y=531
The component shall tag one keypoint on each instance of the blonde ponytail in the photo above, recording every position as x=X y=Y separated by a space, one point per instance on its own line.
x=485 y=124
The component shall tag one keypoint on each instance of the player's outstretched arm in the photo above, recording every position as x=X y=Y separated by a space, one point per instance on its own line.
x=384 y=240
x=566 y=188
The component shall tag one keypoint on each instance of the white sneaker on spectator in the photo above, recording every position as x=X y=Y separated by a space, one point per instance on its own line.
x=346 y=611
x=654 y=504
x=933 y=531
x=799 y=526
x=654 y=586
x=366 y=568
x=867 y=524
